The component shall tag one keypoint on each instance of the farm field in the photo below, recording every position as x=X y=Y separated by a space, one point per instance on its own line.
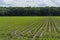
x=30 y=28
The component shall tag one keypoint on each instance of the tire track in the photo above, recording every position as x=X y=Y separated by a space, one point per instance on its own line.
x=36 y=25
x=43 y=32
x=27 y=28
x=30 y=31
x=24 y=30
x=31 y=36
x=52 y=29
x=51 y=25
x=40 y=29
x=55 y=28
x=31 y=27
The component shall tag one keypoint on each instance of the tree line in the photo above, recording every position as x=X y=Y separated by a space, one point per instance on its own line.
x=29 y=11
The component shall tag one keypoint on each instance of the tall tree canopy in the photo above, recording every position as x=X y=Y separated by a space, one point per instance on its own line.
x=29 y=11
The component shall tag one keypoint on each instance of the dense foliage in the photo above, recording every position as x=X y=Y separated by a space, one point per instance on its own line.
x=29 y=11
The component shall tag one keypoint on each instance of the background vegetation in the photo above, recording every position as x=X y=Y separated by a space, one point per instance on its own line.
x=29 y=11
